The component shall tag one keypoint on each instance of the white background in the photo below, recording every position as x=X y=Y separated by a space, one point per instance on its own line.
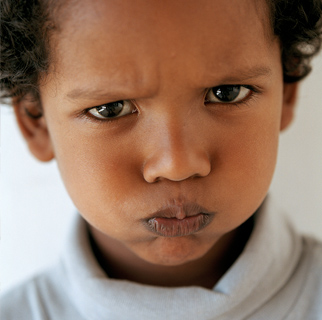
x=36 y=211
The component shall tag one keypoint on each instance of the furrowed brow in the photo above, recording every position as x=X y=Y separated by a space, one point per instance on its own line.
x=248 y=74
x=237 y=76
x=89 y=93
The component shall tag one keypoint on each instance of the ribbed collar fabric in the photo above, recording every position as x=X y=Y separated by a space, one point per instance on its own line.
x=265 y=265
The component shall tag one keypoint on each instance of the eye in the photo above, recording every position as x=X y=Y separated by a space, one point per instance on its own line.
x=112 y=110
x=227 y=94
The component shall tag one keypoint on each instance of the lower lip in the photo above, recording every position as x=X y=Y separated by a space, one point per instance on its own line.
x=173 y=227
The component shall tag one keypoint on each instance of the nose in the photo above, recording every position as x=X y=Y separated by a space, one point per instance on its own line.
x=176 y=154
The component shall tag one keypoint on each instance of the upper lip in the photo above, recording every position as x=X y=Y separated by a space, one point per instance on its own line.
x=179 y=211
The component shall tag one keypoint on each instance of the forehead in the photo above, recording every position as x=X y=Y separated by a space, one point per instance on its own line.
x=130 y=40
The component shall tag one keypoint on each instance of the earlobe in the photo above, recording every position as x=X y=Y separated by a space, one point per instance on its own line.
x=33 y=127
x=289 y=102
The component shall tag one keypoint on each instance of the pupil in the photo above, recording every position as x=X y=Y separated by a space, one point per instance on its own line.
x=110 y=110
x=227 y=93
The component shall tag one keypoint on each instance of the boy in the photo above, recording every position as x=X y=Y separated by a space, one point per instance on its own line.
x=164 y=120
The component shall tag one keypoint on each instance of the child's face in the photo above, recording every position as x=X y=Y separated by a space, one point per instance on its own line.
x=168 y=147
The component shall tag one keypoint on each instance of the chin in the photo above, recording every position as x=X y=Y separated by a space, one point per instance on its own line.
x=174 y=251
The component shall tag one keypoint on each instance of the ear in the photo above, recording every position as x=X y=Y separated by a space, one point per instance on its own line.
x=33 y=127
x=289 y=102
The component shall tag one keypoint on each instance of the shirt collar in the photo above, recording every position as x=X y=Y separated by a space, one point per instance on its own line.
x=264 y=266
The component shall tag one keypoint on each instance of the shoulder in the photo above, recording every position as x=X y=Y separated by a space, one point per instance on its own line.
x=313 y=247
x=298 y=267
x=41 y=297
x=27 y=296
x=311 y=259
x=309 y=294
x=312 y=252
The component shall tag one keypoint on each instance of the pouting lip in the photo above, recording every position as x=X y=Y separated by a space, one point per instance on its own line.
x=179 y=211
x=178 y=220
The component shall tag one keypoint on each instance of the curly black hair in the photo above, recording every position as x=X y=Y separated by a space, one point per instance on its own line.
x=298 y=24
x=24 y=46
x=26 y=26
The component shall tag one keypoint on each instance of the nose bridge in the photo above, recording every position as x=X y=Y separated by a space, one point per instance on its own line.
x=175 y=141
x=176 y=152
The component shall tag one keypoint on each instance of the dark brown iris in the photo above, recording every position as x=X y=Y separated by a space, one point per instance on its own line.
x=110 y=110
x=226 y=93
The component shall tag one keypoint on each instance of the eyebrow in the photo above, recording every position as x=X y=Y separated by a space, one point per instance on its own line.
x=239 y=76
x=89 y=93
x=248 y=74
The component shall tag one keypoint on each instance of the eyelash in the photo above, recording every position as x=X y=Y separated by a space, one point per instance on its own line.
x=231 y=105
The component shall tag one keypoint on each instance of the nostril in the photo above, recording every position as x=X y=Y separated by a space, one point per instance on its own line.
x=197 y=175
x=176 y=168
x=158 y=179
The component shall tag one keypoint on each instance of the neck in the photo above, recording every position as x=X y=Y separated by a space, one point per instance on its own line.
x=118 y=262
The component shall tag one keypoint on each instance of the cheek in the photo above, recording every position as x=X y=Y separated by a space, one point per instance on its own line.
x=245 y=164
x=99 y=173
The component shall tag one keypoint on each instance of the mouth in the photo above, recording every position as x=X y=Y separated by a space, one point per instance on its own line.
x=178 y=220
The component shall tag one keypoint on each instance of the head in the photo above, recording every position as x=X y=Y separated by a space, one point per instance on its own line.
x=147 y=105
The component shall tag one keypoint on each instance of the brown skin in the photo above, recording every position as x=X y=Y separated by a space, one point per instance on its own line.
x=163 y=56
